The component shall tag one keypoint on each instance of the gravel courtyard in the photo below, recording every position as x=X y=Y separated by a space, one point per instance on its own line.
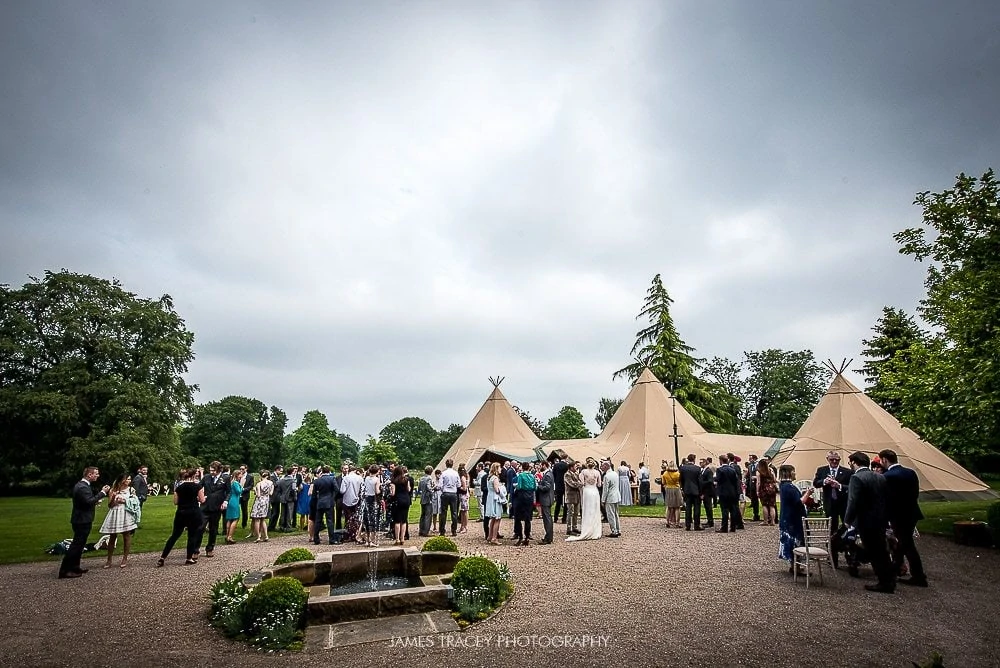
x=654 y=597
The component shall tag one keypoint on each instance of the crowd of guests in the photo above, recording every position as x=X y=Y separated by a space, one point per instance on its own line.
x=366 y=504
x=876 y=499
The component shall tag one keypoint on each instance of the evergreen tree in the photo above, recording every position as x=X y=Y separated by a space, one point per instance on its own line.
x=895 y=334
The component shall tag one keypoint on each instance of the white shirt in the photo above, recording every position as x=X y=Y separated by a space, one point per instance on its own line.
x=450 y=481
x=350 y=487
x=643 y=473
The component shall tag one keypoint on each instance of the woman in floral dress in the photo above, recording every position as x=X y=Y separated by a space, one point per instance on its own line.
x=119 y=520
x=261 y=510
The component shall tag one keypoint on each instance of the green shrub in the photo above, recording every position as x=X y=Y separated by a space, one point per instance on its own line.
x=293 y=555
x=478 y=579
x=993 y=516
x=284 y=597
x=440 y=544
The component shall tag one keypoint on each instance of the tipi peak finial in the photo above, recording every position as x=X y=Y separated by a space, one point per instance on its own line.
x=496 y=381
x=839 y=369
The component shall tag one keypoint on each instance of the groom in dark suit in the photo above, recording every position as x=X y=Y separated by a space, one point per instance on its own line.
x=866 y=511
x=835 y=480
x=903 y=511
x=727 y=483
x=216 y=485
x=691 y=487
x=82 y=520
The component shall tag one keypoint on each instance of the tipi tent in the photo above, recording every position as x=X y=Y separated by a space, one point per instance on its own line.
x=847 y=420
x=496 y=429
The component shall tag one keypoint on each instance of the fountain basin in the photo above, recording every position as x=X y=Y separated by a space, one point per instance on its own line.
x=426 y=574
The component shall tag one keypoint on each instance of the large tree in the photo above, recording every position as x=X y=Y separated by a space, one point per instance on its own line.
x=535 y=425
x=377 y=452
x=567 y=423
x=660 y=347
x=90 y=374
x=442 y=443
x=948 y=387
x=412 y=438
x=236 y=430
x=349 y=448
x=895 y=333
x=313 y=442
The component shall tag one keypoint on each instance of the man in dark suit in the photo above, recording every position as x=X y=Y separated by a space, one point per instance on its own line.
x=216 y=486
x=866 y=511
x=338 y=496
x=544 y=492
x=276 y=503
x=82 y=520
x=285 y=489
x=707 y=492
x=903 y=512
x=727 y=483
x=737 y=518
x=559 y=482
x=835 y=481
x=323 y=492
x=140 y=484
x=751 y=487
x=691 y=488
x=247 y=483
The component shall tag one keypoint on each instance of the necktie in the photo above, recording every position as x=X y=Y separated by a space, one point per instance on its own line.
x=833 y=489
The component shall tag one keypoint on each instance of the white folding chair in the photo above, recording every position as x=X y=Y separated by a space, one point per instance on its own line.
x=815 y=548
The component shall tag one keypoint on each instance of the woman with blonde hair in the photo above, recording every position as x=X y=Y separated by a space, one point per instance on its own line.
x=671 y=481
x=119 y=520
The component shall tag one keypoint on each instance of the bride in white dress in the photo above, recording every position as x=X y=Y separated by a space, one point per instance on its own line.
x=590 y=504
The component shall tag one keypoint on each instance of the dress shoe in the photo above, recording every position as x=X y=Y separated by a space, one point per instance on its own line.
x=879 y=588
x=722 y=531
x=614 y=535
x=72 y=574
x=699 y=528
x=545 y=542
x=209 y=554
x=914 y=582
x=81 y=571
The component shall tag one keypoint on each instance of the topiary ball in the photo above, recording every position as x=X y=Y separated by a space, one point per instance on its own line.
x=440 y=544
x=272 y=595
x=293 y=555
x=479 y=573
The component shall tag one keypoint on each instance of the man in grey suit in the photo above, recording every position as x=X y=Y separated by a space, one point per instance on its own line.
x=141 y=484
x=611 y=497
x=425 y=493
x=866 y=512
x=544 y=495
x=82 y=520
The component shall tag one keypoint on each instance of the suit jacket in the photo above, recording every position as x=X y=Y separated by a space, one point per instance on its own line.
x=338 y=496
x=708 y=483
x=843 y=477
x=84 y=501
x=545 y=492
x=866 y=501
x=284 y=489
x=902 y=493
x=559 y=475
x=728 y=482
x=248 y=483
x=323 y=491
x=691 y=479
x=216 y=492
x=140 y=486
x=611 y=493
x=425 y=489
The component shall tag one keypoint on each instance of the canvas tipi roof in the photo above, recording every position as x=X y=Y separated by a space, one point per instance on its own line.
x=642 y=428
x=847 y=420
x=497 y=429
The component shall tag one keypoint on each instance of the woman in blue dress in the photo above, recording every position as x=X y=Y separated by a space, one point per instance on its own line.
x=302 y=503
x=233 y=509
x=496 y=497
x=793 y=509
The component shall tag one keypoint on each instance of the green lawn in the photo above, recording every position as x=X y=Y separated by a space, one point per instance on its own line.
x=30 y=524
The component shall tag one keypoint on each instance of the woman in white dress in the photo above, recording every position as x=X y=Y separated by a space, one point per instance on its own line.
x=590 y=502
x=119 y=519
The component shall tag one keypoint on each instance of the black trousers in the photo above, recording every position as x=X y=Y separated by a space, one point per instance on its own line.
x=754 y=503
x=709 y=511
x=71 y=560
x=835 y=511
x=730 y=510
x=425 y=519
x=273 y=514
x=212 y=518
x=559 y=504
x=878 y=553
x=191 y=521
x=449 y=501
x=906 y=549
x=643 y=492
x=288 y=515
x=244 y=510
x=692 y=507
x=324 y=519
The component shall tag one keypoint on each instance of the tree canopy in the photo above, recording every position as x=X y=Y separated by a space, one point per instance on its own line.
x=236 y=430
x=412 y=438
x=377 y=452
x=567 y=423
x=90 y=374
x=313 y=442
x=895 y=333
x=606 y=409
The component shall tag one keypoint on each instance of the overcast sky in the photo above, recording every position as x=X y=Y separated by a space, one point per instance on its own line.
x=369 y=208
